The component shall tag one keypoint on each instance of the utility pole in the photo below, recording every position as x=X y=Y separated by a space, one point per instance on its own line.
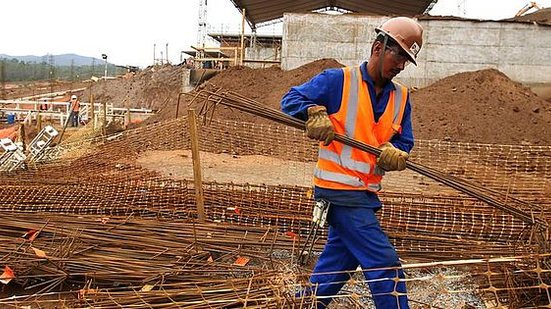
x=154 y=55
x=166 y=54
x=104 y=57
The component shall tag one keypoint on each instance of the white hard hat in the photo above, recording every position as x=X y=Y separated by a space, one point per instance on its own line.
x=73 y=97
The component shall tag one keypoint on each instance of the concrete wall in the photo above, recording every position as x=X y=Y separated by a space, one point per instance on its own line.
x=522 y=51
x=260 y=53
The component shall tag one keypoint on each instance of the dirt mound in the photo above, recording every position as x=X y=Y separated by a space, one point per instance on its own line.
x=264 y=85
x=17 y=90
x=151 y=88
x=541 y=16
x=483 y=106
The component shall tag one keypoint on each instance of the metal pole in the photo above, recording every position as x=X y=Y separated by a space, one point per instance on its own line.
x=166 y=53
x=198 y=180
x=105 y=73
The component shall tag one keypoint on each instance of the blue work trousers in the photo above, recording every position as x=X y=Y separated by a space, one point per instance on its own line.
x=356 y=239
x=74 y=118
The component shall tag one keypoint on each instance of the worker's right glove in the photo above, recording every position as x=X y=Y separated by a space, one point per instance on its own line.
x=318 y=125
x=392 y=158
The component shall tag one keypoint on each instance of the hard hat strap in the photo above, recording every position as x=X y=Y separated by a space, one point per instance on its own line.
x=381 y=57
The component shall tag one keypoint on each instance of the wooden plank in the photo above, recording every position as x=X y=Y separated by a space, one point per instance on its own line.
x=197 y=177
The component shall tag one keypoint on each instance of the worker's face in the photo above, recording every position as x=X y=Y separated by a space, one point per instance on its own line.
x=394 y=60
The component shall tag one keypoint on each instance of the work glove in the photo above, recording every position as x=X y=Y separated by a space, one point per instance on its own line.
x=318 y=125
x=392 y=158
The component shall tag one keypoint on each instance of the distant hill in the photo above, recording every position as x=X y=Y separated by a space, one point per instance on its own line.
x=59 y=60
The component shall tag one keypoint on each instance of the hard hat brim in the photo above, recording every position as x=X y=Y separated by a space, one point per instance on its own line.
x=405 y=49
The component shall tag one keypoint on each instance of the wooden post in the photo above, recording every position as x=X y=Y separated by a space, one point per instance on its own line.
x=104 y=124
x=92 y=112
x=242 y=51
x=39 y=121
x=22 y=136
x=198 y=179
x=128 y=119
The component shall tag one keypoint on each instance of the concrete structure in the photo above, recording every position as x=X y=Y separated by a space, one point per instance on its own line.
x=520 y=50
x=261 y=56
x=261 y=50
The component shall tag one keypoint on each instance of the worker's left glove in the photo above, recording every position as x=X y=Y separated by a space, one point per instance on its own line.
x=392 y=158
x=318 y=125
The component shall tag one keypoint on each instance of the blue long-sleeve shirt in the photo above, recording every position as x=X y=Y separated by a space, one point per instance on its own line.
x=326 y=89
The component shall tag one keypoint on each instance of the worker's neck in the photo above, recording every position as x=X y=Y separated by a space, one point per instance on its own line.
x=373 y=71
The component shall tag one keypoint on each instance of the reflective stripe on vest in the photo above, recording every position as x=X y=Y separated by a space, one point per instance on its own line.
x=397 y=104
x=345 y=159
x=340 y=178
x=350 y=120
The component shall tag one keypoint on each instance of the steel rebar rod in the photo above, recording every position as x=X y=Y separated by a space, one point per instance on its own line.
x=244 y=104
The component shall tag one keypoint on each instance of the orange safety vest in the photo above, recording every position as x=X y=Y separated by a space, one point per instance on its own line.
x=342 y=167
x=75 y=105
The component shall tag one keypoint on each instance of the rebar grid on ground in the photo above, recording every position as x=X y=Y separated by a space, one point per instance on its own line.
x=125 y=261
x=110 y=182
x=424 y=220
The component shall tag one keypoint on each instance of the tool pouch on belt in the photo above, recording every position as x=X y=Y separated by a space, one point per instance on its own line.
x=319 y=216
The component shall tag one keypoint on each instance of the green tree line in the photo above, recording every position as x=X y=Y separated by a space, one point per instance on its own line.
x=15 y=70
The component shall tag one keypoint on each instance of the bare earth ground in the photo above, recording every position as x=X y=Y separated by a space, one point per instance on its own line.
x=257 y=169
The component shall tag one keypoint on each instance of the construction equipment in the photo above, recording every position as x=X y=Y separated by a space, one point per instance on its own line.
x=38 y=145
x=319 y=217
x=12 y=158
x=527 y=7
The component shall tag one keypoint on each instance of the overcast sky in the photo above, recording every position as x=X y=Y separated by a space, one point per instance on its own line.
x=126 y=30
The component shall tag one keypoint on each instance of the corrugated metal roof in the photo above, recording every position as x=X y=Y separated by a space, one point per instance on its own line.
x=260 y=11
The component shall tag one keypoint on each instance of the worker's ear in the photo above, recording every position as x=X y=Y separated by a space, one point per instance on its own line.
x=377 y=47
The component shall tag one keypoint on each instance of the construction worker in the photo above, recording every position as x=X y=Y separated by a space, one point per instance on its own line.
x=75 y=107
x=43 y=105
x=362 y=103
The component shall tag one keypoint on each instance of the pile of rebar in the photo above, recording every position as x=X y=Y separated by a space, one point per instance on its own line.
x=83 y=261
x=97 y=253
